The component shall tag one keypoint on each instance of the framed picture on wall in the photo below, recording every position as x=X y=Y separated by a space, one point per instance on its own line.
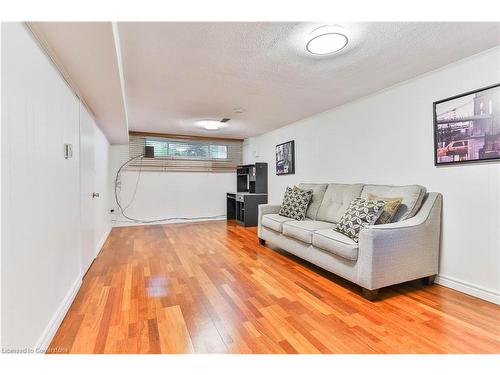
x=285 y=158
x=467 y=127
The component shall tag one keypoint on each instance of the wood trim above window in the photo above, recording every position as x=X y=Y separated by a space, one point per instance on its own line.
x=181 y=136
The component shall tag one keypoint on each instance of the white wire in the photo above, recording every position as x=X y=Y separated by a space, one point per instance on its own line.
x=118 y=189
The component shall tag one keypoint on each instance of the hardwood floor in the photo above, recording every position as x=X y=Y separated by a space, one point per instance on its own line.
x=210 y=287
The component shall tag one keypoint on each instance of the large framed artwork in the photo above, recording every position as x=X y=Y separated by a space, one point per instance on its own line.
x=285 y=158
x=467 y=127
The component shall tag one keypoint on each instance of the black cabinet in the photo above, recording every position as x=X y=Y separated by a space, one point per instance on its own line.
x=231 y=206
x=252 y=178
x=251 y=185
x=243 y=207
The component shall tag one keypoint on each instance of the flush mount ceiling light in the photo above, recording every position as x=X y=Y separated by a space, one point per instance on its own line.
x=326 y=40
x=212 y=124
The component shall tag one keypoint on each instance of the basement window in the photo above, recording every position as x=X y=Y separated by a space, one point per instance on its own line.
x=170 y=148
x=184 y=153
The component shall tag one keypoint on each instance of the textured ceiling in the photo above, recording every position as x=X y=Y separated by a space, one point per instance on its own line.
x=177 y=73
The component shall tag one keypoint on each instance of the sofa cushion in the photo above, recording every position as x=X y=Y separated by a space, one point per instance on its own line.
x=360 y=214
x=336 y=200
x=335 y=243
x=303 y=230
x=390 y=208
x=274 y=221
x=412 y=198
x=295 y=203
x=318 y=193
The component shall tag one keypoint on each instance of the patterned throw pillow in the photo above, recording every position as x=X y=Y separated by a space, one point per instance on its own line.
x=361 y=213
x=295 y=203
x=390 y=208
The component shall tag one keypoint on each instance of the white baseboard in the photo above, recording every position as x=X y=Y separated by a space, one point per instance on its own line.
x=468 y=288
x=124 y=223
x=101 y=242
x=51 y=329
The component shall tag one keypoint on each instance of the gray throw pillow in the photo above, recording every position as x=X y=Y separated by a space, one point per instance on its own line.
x=361 y=213
x=295 y=203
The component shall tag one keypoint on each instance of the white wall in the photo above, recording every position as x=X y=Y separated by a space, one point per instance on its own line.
x=387 y=138
x=101 y=164
x=1 y=226
x=40 y=201
x=169 y=194
x=94 y=170
x=41 y=228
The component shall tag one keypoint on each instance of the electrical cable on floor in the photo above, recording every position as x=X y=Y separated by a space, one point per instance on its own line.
x=118 y=182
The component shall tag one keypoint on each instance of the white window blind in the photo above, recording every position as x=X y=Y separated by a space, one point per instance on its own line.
x=184 y=153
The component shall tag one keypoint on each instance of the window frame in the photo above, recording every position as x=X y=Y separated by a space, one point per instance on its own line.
x=233 y=149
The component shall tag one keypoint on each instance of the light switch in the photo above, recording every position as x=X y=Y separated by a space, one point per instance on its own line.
x=68 y=151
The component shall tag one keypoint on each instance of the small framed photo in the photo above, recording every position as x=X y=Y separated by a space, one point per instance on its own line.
x=467 y=127
x=285 y=158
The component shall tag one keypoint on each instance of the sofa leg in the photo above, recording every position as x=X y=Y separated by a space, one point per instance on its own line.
x=429 y=280
x=262 y=242
x=370 y=295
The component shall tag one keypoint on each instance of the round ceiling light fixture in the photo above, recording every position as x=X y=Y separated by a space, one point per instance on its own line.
x=326 y=40
x=211 y=124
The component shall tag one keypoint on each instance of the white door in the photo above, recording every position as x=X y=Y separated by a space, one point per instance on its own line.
x=87 y=177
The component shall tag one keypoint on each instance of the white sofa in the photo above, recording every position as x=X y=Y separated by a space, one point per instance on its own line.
x=387 y=254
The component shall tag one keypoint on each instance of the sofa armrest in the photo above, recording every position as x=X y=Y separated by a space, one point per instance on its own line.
x=397 y=252
x=265 y=209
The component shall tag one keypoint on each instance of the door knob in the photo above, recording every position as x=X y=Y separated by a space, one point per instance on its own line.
x=95 y=195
